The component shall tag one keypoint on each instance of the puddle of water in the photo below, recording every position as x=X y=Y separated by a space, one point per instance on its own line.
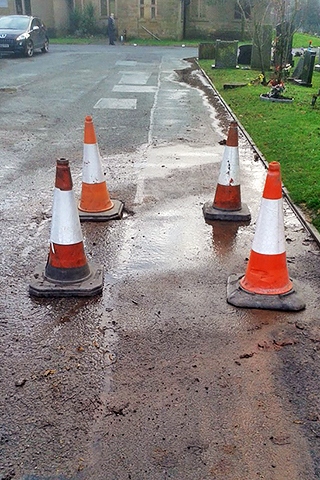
x=225 y=236
x=160 y=159
x=163 y=241
x=176 y=94
x=176 y=236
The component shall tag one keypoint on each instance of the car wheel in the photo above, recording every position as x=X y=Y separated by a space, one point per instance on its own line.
x=45 y=48
x=29 y=50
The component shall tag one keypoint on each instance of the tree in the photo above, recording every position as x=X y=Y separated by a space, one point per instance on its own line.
x=82 y=21
x=255 y=15
x=286 y=13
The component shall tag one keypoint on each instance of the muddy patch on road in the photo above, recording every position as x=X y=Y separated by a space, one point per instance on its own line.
x=193 y=76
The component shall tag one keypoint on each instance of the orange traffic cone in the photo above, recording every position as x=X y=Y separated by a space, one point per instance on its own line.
x=67 y=272
x=95 y=203
x=266 y=283
x=227 y=200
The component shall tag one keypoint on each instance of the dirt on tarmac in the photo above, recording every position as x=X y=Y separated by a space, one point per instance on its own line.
x=160 y=378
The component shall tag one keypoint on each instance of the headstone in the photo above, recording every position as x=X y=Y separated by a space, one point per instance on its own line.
x=226 y=54
x=264 y=39
x=206 y=51
x=305 y=78
x=298 y=70
x=245 y=52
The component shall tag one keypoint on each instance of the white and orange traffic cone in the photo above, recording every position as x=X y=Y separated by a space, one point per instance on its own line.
x=227 y=200
x=95 y=203
x=67 y=272
x=266 y=283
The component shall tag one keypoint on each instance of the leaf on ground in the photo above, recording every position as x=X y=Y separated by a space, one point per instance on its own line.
x=48 y=372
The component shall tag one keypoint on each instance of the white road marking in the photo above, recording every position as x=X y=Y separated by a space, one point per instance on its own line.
x=134 y=78
x=126 y=63
x=117 y=103
x=134 y=89
x=141 y=178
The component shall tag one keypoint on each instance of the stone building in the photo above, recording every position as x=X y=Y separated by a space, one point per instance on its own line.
x=176 y=19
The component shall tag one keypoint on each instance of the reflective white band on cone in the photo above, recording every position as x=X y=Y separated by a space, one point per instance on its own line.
x=92 y=168
x=65 y=226
x=230 y=170
x=269 y=237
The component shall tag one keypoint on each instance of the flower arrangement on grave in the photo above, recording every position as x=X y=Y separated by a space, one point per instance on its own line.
x=277 y=85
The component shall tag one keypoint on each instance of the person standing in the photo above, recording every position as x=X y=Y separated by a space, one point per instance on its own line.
x=111 y=29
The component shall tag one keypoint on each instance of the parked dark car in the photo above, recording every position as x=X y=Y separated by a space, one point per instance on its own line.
x=22 y=34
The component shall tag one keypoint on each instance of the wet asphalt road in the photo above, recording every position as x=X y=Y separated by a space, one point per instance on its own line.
x=158 y=377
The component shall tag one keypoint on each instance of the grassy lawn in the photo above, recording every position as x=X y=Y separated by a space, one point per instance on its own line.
x=131 y=41
x=302 y=40
x=69 y=40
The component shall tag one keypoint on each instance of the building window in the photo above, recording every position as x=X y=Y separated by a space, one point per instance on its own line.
x=198 y=9
x=141 y=8
x=148 y=9
x=153 y=11
x=242 y=10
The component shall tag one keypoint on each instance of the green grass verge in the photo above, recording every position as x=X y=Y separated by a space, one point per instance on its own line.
x=302 y=40
x=138 y=41
x=287 y=133
x=69 y=40
x=163 y=43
